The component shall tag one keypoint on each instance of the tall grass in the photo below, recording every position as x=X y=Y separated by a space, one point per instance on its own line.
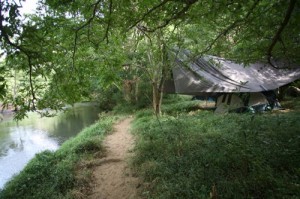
x=53 y=174
x=229 y=156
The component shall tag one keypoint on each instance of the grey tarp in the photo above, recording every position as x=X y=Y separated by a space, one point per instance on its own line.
x=209 y=75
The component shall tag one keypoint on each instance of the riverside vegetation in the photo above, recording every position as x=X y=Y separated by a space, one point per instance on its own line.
x=182 y=154
x=55 y=174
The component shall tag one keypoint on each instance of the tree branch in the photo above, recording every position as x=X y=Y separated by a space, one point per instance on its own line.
x=91 y=18
x=142 y=29
x=276 y=37
x=109 y=22
x=230 y=27
x=148 y=13
x=80 y=28
x=31 y=82
x=27 y=52
x=174 y=17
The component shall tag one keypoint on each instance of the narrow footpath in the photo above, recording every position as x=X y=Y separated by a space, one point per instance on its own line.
x=113 y=178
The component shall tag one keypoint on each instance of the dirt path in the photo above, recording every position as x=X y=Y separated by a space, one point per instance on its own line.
x=113 y=178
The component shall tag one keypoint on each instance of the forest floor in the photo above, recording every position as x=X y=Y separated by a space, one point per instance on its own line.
x=112 y=176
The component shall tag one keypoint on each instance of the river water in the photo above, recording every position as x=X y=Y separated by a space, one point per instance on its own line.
x=19 y=142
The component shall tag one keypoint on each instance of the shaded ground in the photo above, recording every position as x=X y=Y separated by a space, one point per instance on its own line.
x=113 y=178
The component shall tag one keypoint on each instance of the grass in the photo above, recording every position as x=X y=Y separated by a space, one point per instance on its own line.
x=187 y=153
x=203 y=155
x=53 y=174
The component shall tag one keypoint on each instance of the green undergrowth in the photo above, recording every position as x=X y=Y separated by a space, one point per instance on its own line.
x=291 y=103
x=203 y=155
x=186 y=106
x=53 y=174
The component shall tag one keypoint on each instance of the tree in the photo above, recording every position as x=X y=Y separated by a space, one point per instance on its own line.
x=151 y=58
x=69 y=42
x=230 y=28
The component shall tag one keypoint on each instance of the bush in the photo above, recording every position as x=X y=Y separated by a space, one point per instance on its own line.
x=108 y=98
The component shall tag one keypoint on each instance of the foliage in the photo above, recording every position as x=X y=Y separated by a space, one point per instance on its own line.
x=236 y=155
x=291 y=103
x=234 y=30
x=296 y=83
x=107 y=99
x=52 y=174
x=65 y=48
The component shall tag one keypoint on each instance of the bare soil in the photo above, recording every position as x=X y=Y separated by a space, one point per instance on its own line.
x=113 y=179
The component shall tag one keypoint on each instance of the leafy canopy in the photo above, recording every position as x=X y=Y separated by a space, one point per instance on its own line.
x=68 y=45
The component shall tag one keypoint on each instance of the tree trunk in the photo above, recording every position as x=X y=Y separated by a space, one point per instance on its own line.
x=15 y=90
x=157 y=98
x=159 y=82
x=127 y=89
x=136 y=89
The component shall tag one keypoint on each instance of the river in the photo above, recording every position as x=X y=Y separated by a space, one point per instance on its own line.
x=19 y=142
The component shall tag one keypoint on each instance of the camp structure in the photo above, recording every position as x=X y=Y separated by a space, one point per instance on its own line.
x=241 y=102
x=214 y=76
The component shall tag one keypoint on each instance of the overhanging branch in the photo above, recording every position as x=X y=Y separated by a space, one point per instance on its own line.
x=148 y=13
x=80 y=28
x=277 y=35
x=29 y=54
x=229 y=28
x=177 y=15
x=109 y=22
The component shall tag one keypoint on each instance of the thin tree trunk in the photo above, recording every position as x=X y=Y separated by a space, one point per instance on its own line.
x=15 y=90
x=136 y=89
x=127 y=87
x=158 y=85
x=157 y=98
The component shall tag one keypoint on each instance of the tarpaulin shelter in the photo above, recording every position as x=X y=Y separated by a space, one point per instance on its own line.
x=256 y=101
x=213 y=76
